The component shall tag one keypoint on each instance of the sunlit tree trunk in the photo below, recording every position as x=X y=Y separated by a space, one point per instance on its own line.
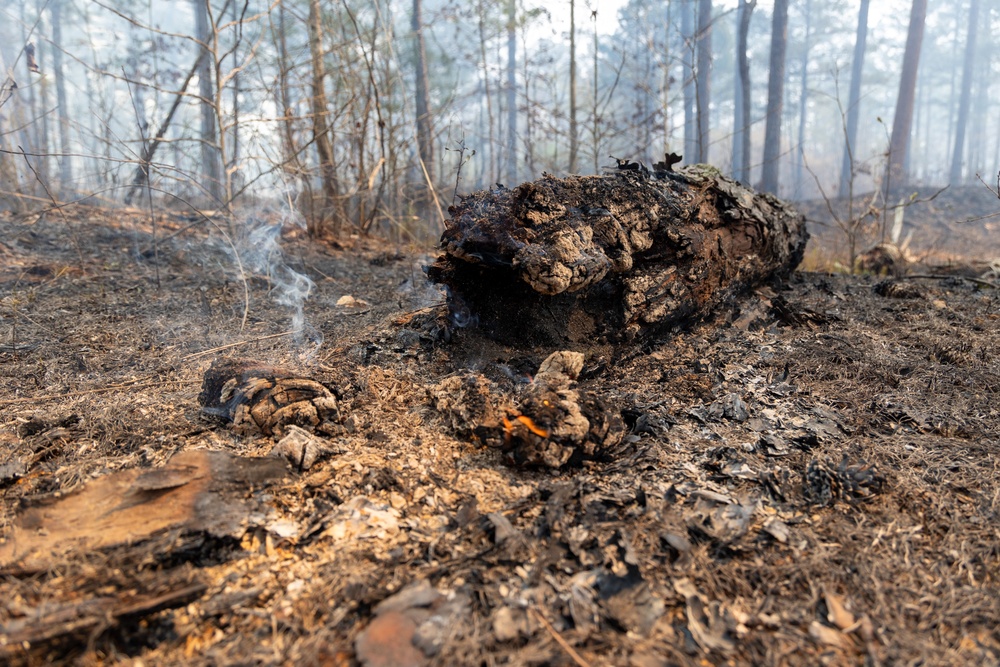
x=903 y=120
x=284 y=94
x=955 y=176
x=775 y=98
x=803 y=103
x=425 y=128
x=854 y=104
x=321 y=130
x=690 y=93
x=741 y=106
x=703 y=86
x=65 y=162
x=574 y=133
x=210 y=167
x=512 y=93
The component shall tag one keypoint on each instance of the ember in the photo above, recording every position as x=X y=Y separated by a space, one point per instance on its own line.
x=556 y=423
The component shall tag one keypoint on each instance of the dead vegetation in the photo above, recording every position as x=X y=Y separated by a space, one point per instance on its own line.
x=808 y=476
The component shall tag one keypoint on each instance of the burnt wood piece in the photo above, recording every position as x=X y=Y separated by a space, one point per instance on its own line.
x=259 y=398
x=29 y=638
x=603 y=259
x=151 y=510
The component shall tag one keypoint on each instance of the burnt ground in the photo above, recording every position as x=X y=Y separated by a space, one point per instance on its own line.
x=811 y=474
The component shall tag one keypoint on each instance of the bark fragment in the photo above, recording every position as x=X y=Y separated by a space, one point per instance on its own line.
x=197 y=491
x=257 y=397
x=604 y=259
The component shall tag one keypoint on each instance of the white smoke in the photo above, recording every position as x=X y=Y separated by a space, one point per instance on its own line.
x=260 y=254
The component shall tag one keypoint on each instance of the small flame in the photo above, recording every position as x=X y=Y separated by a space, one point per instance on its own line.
x=508 y=427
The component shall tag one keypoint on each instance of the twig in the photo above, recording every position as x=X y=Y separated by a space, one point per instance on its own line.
x=944 y=276
x=85 y=392
x=995 y=192
x=55 y=203
x=232 y=345
x=430 y=186
x=570 y=651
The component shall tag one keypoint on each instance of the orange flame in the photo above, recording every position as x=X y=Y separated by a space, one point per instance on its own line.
x=508 y=427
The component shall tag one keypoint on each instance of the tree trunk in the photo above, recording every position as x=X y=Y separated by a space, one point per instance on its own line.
x=854 y=105
x=594 y=134
x=149 y=150
x=491 y=140
x=40 y=118
x=901 y=124
x=741 y=117
x=210 y=160
x=667 y=64
x=65 y=161
x=775 y=98
x=980 y=109
x=703 y=86
x=425 y=128
x=690 y=94
x=548 y=263
x=955 y=44
x=9 y=119
x=574 y=136
x=800 y=156
x=43 y=165
x=512 y=91
x=321 y=130
x=290 y=153
x=964 y=100
x=236 y=79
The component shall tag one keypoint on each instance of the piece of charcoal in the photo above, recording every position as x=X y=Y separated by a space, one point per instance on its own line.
x=465 y=402
x=897 y=289
x=825 y=483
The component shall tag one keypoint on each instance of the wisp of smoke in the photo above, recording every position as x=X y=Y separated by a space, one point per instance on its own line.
x=260 y=251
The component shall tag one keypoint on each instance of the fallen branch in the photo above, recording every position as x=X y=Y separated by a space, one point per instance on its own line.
x=942 y=276
x=570 y=651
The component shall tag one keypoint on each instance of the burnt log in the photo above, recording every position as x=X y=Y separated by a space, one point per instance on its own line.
x=606 y=259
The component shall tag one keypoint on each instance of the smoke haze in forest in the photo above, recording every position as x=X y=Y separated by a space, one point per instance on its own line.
x=377 y=113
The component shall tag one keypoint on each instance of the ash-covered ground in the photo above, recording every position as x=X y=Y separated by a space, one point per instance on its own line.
x=808 y=476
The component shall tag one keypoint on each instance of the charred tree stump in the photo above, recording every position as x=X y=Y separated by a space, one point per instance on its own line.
x=605 y=259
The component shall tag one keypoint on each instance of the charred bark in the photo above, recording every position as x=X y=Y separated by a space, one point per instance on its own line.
x=590 y=260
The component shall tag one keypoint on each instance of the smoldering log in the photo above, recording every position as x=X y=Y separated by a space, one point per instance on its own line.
x=604 y=259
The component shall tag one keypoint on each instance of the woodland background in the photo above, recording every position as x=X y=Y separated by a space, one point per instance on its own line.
x=372 y=116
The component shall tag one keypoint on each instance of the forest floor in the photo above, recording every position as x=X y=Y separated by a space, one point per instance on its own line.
x=812 y=475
